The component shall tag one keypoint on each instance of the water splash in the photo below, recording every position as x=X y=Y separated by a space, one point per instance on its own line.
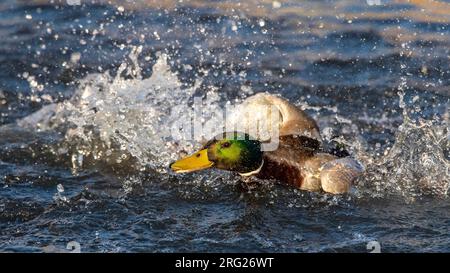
x=416 y=164
x=59 y=195
x=126 y=121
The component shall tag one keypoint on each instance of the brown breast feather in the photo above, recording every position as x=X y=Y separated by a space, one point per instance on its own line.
x=286 y=163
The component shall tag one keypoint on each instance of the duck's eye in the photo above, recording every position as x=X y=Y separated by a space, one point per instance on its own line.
x=225 y=145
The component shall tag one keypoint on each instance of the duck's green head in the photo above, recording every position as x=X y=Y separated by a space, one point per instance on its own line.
x=229 y=151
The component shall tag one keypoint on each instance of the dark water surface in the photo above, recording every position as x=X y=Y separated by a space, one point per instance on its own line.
x=91 y=167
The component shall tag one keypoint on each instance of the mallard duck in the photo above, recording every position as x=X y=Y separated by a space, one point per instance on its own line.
x=298 y=160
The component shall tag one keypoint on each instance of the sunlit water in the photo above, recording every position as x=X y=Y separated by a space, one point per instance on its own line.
x=91 y=97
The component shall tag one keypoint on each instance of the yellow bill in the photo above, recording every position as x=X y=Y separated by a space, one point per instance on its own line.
x=195 y=162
